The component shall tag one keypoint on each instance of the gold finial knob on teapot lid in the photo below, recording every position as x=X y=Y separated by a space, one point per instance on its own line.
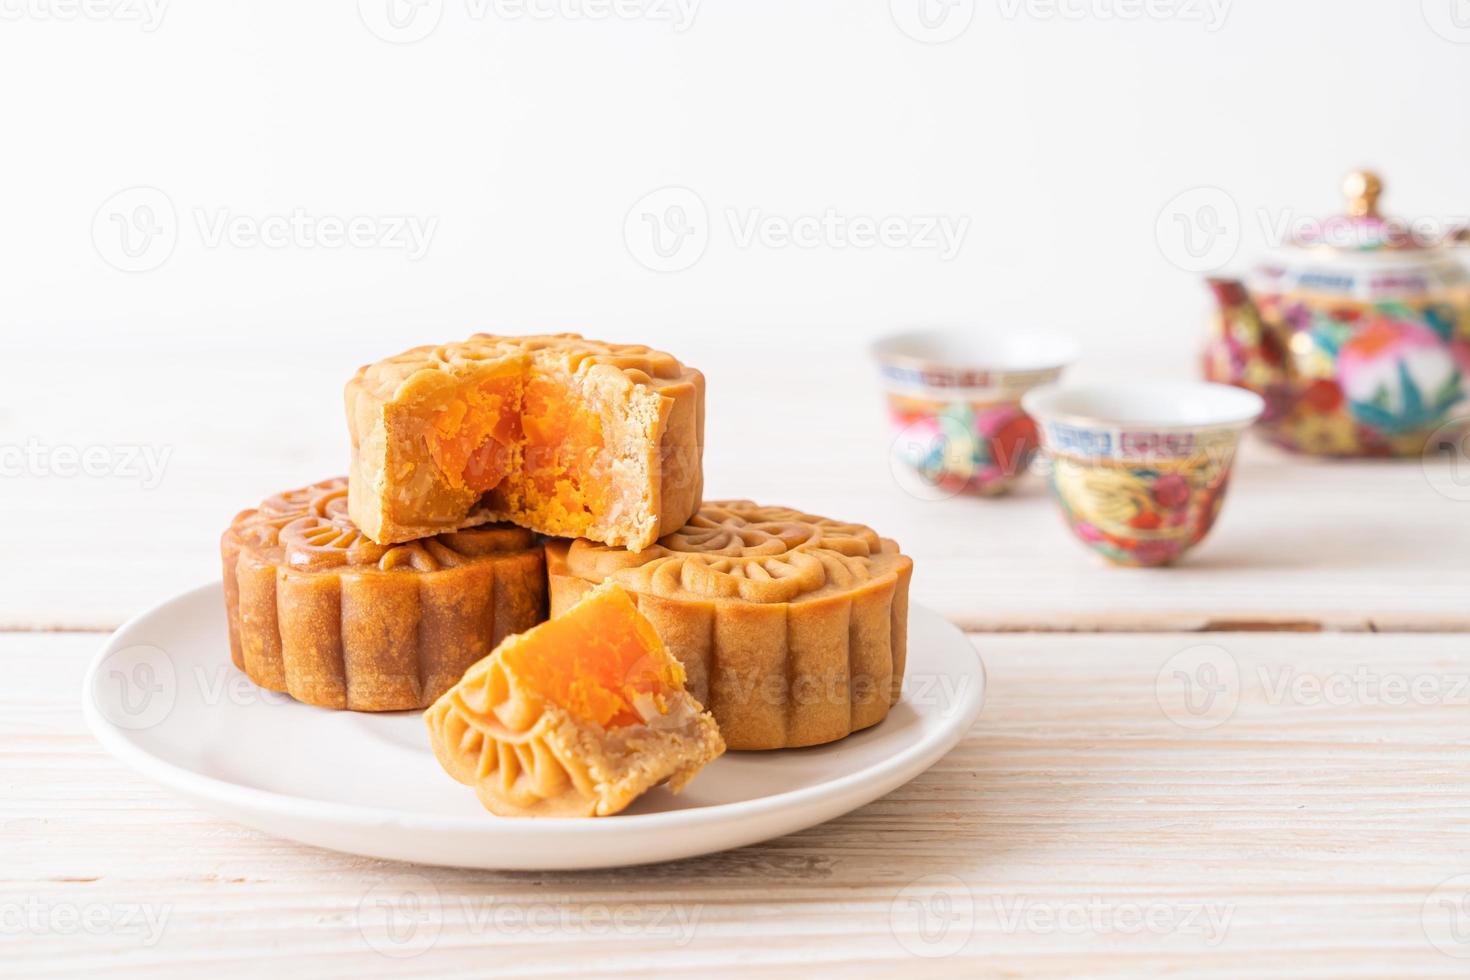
x=1362 y=188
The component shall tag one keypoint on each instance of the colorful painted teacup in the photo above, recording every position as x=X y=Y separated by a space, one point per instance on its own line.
x=954 y=398
x=1141 y=470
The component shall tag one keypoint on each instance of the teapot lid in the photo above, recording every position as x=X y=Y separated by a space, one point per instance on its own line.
x=1363 y=228
x=1363 y=256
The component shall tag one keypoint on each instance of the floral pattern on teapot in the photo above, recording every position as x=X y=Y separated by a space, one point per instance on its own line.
x=1358 y=352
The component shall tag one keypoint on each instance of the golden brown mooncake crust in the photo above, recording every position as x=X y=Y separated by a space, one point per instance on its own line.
x=651 y=405
x=320 y=612
x=792 y=628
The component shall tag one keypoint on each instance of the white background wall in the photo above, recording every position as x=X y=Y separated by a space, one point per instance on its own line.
x=1060 y=132
x=1060 y=138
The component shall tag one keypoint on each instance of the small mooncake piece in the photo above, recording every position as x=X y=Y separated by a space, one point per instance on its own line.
x=575 y=718
x=792 y=628
x=559 y=434
x=320 y=612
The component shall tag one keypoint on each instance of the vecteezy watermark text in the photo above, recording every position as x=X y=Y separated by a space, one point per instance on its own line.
x=403 y=916
x=138 y=228
x=33 y=458
x=497 y=916
x=679 y=14
x=1210 y=13
x=1201 y=686
x=668 y=230
x=407 y=21
x=940 y=233
x=408 y=233
x=35 y=916
x=1286 y=226
x=940 y=21
x=1102 y=916
x=1201 y=229
x=1361 y=686
x=147 y=14
x=935 y=916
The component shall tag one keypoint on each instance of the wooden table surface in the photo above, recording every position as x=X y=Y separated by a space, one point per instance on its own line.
x=1105 y=816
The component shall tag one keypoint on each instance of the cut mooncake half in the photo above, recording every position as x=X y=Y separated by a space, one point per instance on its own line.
x=558 y=434
x=793 y=628
x=575 y=718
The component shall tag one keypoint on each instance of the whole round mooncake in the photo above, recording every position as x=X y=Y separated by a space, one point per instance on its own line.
x=792 y=628
x=319 y=611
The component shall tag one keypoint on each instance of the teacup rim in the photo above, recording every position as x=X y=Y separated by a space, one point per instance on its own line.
x=1040 y=404
x=888 y=348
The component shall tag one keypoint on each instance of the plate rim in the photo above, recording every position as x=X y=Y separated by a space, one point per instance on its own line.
x=198 y=786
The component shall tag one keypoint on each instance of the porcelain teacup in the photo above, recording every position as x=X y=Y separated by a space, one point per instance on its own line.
x=954 y=400
x=1140 y=470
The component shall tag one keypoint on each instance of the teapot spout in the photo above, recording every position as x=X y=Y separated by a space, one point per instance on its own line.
x=1241 y=351
x=1230 y=294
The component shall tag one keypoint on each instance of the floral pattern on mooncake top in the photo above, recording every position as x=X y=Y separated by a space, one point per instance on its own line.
x=739 y=550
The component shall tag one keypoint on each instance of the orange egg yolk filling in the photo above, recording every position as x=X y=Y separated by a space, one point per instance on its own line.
x=563 y=445
x=596 y=659
x=471 y=436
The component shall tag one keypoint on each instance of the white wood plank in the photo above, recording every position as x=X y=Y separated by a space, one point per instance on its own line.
x=1320 y=825
x=1342 y=545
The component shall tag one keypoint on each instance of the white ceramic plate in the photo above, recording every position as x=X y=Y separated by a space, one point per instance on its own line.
x=163 y=697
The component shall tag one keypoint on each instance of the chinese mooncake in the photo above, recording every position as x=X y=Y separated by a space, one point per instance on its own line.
x=322 y=613
x=792 y=628
x=577 y=717
x=559 y=434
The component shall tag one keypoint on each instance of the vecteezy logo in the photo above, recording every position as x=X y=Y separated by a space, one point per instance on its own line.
x=1198 y=687
x=667 y=230
x=135 y=687
x=401 y=21
x=1446 y=917
x=1450 y=19
x=932 y=21
x=136 y=229
x=401 y=916
x=1446 y=459
x=1199 y=229
x=933 y=916
x=933 y=459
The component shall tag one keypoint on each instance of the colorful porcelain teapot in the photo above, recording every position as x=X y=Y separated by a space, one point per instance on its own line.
x=1358 y=336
